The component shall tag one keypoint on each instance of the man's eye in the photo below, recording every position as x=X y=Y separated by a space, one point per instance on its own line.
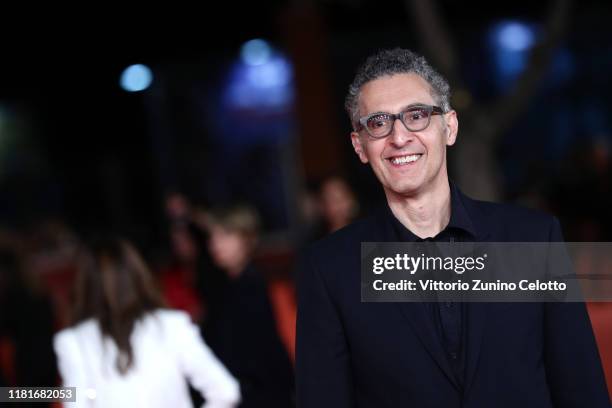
x=417 y=114
x=378 y=121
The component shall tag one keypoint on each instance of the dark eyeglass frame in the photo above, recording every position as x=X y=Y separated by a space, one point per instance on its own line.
x=431 y=110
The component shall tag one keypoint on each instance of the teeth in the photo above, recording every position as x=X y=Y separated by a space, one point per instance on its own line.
x=405 y=159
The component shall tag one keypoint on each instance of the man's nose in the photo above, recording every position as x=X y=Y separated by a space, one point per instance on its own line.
x=400 y=135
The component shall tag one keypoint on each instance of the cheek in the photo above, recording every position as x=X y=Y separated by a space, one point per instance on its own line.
x=373 y=150
x=234 y=247
x=438 y=147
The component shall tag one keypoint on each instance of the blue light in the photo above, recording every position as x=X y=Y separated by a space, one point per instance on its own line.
x=274 y=73
x=136 y=78
x=256 y=52
x=515 y=36
x=266 y=86
x=257 y=99
x=510 y=43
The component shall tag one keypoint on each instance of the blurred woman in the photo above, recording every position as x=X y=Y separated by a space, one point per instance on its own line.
x=125 y=350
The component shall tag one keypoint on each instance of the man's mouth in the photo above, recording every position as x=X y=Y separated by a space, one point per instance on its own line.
x=403 y=160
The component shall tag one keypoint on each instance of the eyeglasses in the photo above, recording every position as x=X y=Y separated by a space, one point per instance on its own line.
x=415 y=118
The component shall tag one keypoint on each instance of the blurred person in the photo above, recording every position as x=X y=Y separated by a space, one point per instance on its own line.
x=50 y=259
x=26 y=325
x=178 y=276
x=472 y=355
x=310 y=226
x=126 y=347
x=179 y=214
x=338 y=204
x=326 y=208
x=240 y=326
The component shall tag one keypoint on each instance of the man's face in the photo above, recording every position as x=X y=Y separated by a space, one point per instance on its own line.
x=392 y=94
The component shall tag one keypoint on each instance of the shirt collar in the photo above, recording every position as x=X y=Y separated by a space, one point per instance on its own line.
x=460 y=222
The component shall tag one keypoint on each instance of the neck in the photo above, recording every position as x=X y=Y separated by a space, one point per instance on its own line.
x=235 y=269
x=337 y=223
x=425 y=213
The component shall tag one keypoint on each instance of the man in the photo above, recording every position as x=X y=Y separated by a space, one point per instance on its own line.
x=354 y=354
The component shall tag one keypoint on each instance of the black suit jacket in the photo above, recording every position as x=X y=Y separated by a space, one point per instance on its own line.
x=354 y=354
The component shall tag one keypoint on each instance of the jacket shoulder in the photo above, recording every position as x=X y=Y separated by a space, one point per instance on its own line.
x=512 y=212
x=514 y=222
x=339 y=253
x=345 y=238
x=68 y=339
x=172 y=319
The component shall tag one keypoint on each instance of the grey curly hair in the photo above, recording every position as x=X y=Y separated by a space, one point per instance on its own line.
x=390 y=62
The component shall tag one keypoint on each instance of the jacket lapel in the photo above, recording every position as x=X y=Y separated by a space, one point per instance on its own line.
x=477 y=313
x=417 y=316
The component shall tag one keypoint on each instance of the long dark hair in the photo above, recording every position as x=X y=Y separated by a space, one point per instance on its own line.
x=116 y=288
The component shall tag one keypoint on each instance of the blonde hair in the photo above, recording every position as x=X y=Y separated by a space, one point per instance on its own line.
x=242 y=219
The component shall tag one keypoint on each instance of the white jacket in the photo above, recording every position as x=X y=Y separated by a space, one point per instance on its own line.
x=167 y=349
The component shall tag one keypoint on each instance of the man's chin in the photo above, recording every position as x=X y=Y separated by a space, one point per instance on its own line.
x=404 y=189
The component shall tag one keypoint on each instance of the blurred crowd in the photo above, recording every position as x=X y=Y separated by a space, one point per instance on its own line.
x=240 y=295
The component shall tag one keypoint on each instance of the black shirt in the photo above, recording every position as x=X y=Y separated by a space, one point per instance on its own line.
x=449 y=318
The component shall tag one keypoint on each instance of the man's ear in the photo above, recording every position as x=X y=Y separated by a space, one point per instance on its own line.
x=356 y=141
x=452 y=128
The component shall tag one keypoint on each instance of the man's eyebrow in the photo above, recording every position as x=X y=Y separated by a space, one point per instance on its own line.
x=414 y=105
x=404 y=108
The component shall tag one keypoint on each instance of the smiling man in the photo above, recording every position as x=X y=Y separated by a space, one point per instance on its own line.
x=409 y=161
x=355 y=354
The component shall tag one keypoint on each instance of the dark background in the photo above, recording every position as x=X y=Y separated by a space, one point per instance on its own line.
x=77 y=147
